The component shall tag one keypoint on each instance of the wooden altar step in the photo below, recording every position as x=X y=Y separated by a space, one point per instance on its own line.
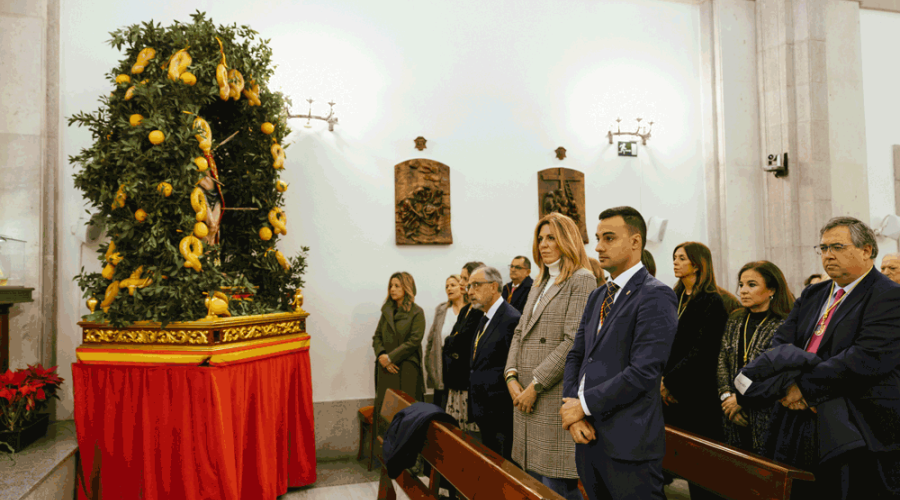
x=44 y=470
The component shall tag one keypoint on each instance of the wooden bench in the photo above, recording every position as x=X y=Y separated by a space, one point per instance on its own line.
x=476 y=471
x=728 y=471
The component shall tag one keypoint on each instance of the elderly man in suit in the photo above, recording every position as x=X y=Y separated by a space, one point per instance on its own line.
x=490 y=404
x=890 y=266
x=612 y=406
x=516 y=291
x=849 y=403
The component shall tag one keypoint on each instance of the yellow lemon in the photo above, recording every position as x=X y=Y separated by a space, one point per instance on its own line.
x=156 y=137
x=268 y=128
x=135 y=119
x=164 y=189
x=281 y=186
x=123 y=79
x=201 y=163
x=188 y=78
x=140 y=215
x=200 y=230
x=265 y=234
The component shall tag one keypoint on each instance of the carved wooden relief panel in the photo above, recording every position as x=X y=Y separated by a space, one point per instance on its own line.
x=562 y=190
x=422 y=203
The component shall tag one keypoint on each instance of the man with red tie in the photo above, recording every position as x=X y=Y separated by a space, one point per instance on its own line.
x=845 y=410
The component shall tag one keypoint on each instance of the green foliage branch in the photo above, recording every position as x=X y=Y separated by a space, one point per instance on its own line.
x=122 y=156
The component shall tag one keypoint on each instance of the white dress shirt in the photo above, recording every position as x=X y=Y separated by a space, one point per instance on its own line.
x=620 y=280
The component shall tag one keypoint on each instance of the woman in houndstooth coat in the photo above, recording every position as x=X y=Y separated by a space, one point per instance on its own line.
x=537 y=356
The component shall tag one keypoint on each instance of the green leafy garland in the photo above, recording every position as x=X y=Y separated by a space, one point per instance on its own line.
x=122 y=156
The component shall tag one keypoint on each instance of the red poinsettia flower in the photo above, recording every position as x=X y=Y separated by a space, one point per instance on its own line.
x=26 y=389
x=7 y=394
x=39 y=394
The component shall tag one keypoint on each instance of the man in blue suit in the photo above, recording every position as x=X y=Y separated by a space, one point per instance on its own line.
x=851 y=400
x=490 y=405
x=612 y=405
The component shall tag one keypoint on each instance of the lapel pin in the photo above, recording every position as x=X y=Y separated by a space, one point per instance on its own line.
x=628 y=292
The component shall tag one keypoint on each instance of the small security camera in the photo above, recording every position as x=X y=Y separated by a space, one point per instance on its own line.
x=777 y=164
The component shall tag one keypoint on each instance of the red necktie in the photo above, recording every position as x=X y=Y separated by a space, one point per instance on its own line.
x=822 y=325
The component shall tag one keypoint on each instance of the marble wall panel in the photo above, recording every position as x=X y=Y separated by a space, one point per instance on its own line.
x=21 y=91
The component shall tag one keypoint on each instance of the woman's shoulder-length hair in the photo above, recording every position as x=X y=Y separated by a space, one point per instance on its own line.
x=782 y=300
x=701 y=259
x=408 y=284
x=568 y=241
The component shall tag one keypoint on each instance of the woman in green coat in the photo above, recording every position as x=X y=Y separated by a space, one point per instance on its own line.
x=398 y=341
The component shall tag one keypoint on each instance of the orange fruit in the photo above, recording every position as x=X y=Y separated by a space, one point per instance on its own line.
x=201 y=163
x=135 y=119
x=268 y=128
x=188 y=78
x=156 y=137
x=265 y=234
x=140 y=215
x=123 y=79
x=164 y=189
x=281 y=186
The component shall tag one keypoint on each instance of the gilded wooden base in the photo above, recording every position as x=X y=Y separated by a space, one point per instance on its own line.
x=210 y=341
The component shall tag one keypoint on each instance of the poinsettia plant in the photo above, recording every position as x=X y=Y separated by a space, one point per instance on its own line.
x=24 y=393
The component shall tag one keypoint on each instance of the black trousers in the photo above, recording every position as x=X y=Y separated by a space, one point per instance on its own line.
x=605 y=478
x=498 y=436
x=853 y=475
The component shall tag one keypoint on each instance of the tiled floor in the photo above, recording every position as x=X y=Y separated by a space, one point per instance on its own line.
x=349 y=480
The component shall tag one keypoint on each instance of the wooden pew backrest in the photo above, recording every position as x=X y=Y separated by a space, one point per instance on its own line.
x=476 y=471
x=726 y=470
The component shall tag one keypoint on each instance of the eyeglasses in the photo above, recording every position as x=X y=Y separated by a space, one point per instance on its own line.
x=473 y=284
x=518 y=268
x=835 y=248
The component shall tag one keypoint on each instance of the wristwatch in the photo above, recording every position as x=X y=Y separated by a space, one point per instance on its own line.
x=538 y=387
x=725 y=396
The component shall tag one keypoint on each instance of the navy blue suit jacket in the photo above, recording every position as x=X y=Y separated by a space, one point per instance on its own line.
x=622 y=366
x=488 y=395
x=860 y=353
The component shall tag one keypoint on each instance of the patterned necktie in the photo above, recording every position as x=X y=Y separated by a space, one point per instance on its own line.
x=512 y=290
x=822 y=324
x=611 y=290
x=482 y=326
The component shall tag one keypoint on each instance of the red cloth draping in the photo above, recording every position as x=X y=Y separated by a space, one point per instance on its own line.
x=196 y=432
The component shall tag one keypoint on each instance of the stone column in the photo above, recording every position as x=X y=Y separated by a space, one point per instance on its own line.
x=734 y=177
x=29 y=164
x=811 y=107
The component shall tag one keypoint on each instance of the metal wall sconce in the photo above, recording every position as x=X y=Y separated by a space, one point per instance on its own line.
x=642 y=131
x=331 y=119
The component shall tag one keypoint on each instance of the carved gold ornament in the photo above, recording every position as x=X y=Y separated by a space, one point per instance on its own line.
x=250 y=332
x=97 y=335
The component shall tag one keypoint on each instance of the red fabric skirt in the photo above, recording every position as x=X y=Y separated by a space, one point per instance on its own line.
x=195 y=432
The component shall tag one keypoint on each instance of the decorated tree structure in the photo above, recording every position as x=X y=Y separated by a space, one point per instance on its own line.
x=184 y=174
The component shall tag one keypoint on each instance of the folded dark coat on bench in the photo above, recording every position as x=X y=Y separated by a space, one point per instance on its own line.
x=405 y=437
x=772 y=373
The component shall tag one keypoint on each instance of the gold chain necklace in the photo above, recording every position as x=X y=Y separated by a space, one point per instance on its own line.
x=753 y=337
x=680 y=309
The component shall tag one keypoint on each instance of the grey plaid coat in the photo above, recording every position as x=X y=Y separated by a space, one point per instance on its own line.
x=538 y=353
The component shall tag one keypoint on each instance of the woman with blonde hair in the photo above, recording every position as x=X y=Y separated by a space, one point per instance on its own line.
x=537 y=355
x=445 y=316
x=398 y=341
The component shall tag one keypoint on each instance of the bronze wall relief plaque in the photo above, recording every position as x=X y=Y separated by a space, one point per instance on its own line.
x=422 y=203
x=562 y=190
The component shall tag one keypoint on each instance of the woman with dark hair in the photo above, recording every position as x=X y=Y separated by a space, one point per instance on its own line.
x=812 y=280
x=689 y=381
x=537 y=354
x=766 y=301
x=398 y=341
x=649 y=262
x=445 y=316
x=457 y=354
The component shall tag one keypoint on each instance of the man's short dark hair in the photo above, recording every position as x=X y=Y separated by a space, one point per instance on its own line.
x=633 y=219
x=527 y=262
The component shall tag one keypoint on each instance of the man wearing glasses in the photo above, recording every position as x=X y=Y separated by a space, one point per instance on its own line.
x=845 y=410
x=516 y=291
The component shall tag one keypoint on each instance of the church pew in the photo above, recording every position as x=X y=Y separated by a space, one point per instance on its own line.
x=475 y=471
x=728 y=471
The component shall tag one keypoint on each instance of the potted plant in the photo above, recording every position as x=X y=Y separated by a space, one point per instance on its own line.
x=24 y=395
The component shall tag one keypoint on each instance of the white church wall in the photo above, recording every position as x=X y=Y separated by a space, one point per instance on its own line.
x=880 y=37
x=495 y=87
